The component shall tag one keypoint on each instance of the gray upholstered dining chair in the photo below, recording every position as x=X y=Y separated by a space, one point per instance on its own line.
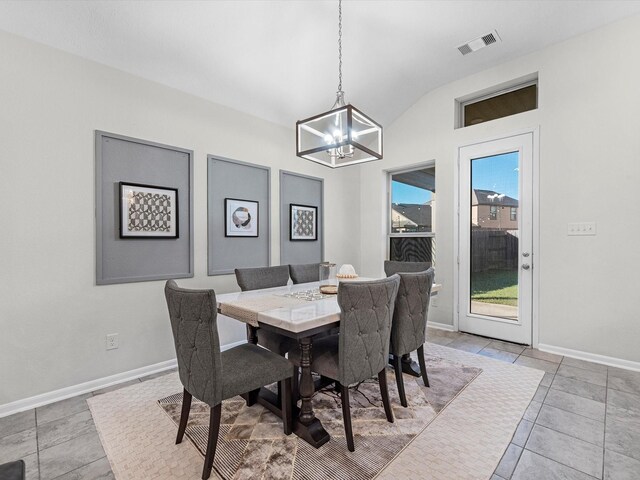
x=267 y=277
x=361 y=349
x=408 y=328
x=392 y=267
x=211 y=375
x=262 y=277
x=309 y=272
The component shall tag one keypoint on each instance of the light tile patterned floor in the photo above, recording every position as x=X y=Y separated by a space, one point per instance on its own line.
x=466 y=441
x=562 y=405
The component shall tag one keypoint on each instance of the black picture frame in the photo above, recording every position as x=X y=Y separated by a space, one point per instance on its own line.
x=295 y=238
x=125 y=232
x=249 y=205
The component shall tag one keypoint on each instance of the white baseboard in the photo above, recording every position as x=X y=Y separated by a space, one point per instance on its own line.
x=441 y=326
x=590 y=357
x=104 y=382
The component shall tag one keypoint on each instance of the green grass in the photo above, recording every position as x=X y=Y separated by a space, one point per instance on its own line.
x=496 y=286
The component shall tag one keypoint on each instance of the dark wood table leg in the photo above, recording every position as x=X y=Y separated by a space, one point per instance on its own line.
x=408 y=366
x=252 y=334
x=252 y=337
x=308 y=427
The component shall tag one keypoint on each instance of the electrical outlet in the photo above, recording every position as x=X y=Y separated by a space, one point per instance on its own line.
x=112 y=341
x=582 y=228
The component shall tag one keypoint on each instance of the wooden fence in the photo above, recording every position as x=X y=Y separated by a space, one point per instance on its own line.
x=493 y=249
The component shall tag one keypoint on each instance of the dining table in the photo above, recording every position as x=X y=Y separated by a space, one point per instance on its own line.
x=299 y=312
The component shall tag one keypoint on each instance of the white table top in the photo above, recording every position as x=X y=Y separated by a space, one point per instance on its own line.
x=296 y=318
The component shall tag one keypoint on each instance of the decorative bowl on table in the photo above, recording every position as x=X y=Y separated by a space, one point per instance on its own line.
x=347 y=271
x=329 y=289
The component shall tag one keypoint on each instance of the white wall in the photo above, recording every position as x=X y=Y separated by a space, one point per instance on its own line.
x=589 y=171
x=53 y=319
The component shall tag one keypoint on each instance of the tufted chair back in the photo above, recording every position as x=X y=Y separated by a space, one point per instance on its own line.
x=306 y=273
x=193 y=315
x=262 y=277
x=391 y=267
x=365 y=327
x=410 y=315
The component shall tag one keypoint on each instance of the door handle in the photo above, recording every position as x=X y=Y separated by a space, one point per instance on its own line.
x=525 y=266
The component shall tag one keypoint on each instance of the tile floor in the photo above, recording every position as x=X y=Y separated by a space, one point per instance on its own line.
x=583 y=423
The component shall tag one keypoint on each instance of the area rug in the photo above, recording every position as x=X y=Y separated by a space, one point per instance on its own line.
x=251 y=443
x=465 y=441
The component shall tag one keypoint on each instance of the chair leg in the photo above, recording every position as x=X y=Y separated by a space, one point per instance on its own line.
x=252 y=397
x=286 y=405
x=279 y=393
x=184 y=415
x=346 y=416
x=397 y=366
x=384 y=391
x=212 y=443
x=423 y=368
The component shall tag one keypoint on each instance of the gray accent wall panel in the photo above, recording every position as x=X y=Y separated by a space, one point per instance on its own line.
x=300 y=190
x=235 y=179
x=120 y=158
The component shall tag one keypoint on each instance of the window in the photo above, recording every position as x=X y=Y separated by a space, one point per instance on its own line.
x=514 y=214
x=501 y=102
x=493 y=212
x=412 y=215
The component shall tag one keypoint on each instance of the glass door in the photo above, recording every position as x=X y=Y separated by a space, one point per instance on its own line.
x=495 y=239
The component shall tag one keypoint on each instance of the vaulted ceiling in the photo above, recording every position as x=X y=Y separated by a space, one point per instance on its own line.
x=278 y=59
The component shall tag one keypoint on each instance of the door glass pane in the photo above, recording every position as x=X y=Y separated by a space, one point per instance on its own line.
x=494 y=236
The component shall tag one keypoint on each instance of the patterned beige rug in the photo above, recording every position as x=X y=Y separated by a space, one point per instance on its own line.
x=465 y=441
x=251 y=443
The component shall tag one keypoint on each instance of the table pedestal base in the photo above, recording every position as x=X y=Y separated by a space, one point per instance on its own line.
x=314 y=433
x=408 y=365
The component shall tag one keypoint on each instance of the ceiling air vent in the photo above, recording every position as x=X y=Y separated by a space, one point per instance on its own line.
x=480 y=42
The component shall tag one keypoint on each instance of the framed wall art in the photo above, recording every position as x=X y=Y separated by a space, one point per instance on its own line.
x=133 y=254
x=303 y=221
x=148 y=211
x=241 y=218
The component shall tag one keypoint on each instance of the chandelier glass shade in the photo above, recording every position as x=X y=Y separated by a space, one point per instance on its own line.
x=341 y=136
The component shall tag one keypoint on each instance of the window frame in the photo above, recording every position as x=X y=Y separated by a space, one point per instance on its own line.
x=390 y=234
x=513 y=214
x=496 y=91
x=493 y=212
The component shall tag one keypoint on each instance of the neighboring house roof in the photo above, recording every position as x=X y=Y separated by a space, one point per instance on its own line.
x=418 y=214
x=489 y=197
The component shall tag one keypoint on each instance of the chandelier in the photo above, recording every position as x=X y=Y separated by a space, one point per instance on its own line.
x=343 y=135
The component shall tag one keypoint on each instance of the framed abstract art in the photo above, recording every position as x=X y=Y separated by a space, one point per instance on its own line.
x=148 y=211
x=240 y=218
x=303 y=221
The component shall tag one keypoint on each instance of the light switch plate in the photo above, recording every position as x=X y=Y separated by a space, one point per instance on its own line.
x=582 y=228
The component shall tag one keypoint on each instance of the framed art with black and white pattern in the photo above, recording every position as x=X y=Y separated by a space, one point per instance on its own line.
x=241 y=218
x=303 y=221
x=148 y=211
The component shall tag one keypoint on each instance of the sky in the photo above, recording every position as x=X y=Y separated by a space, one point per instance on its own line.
x=403 y=193
x=498 y=173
